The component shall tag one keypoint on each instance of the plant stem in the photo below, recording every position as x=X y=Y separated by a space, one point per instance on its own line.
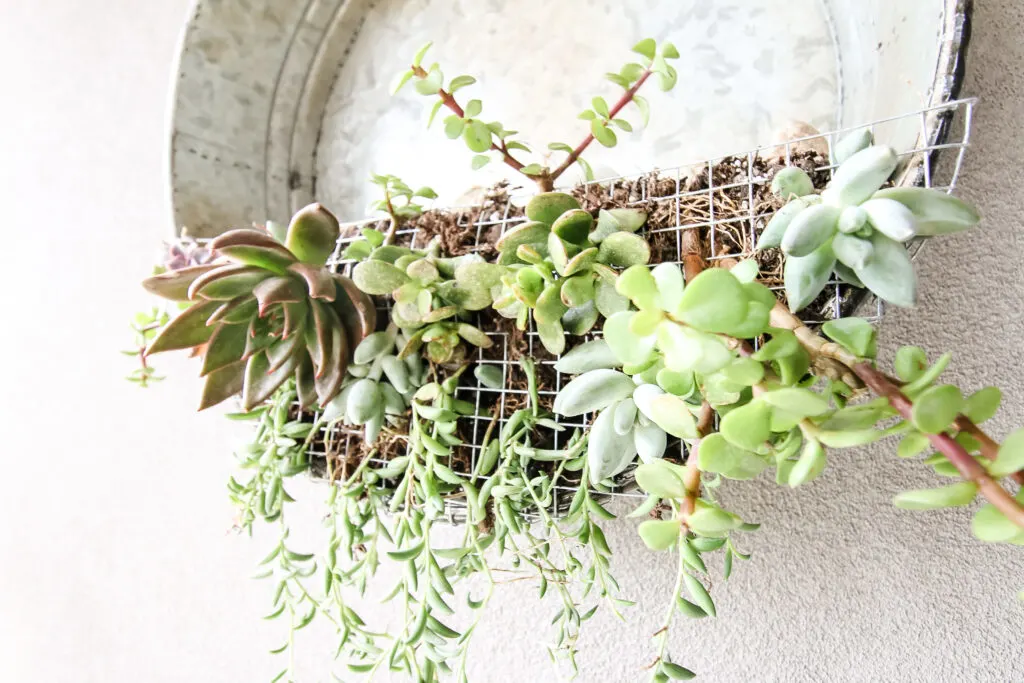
x=969 y=468
x=391 y=214
x=449 y=101
x=626 y=98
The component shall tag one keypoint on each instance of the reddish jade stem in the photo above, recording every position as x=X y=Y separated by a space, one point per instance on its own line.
x=989 y=448
x=968 y=467
x=626 y=98
x=691 y=478
x=449 y=101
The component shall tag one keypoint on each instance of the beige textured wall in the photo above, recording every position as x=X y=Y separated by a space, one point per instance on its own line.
x=114 y=561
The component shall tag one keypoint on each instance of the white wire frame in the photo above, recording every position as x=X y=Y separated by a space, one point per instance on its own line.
x=943 y=128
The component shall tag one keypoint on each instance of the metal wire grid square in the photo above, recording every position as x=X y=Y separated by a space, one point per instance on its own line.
x=941 y=128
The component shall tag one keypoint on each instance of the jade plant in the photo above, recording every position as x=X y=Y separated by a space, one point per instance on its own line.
x=559 y=266
x=854 y=227
x=691 y=379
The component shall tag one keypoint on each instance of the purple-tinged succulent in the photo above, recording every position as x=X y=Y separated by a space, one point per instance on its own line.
x=265 y=311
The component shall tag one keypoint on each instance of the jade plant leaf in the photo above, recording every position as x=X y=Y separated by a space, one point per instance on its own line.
x=671 y=414
x=573 y=226
x=1011 y=455
x=313 y=234
x=548 y=206
x=607 y=298
x=630 y=348
x=668 y=279
x=531 y=232
x=714 y=301
x=591 y=355
x=809 y=466
x=718 y=456
x=797 y=401
x=378 y=277
x=747 y=427
x=624 y=249
x=983 y=404
x=889 y=272
x=662 y=479
x=592 y=391
x=659 y=534
x=992 y=526
x=638 y=284
x=581 y=261
x=557 y=252
x=856 y=335
x=552 y=336
x=956 y=495
x=580 y=319
x=709 y=520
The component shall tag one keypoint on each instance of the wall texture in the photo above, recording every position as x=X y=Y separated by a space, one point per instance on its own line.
x=115 y=561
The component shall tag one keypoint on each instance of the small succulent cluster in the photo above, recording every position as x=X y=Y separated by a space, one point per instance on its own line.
x=379 y=386
x=399 y=203
x=434 y=296
x=559 y=265
x=267 y=310
x=854 y=227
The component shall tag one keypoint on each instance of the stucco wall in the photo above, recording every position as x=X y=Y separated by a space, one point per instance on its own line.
x=115 y=564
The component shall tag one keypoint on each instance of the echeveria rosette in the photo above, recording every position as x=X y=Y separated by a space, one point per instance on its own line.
x=856 y=229
x=561 y=263
x=434 y=296
x=268 y=310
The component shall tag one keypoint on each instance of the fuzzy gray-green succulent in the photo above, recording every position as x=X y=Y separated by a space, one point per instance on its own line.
x=854 y=227
x=560 y=264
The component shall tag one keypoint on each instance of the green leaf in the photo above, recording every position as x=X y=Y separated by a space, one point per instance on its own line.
x=602 y=133
x=709 y=520
x=685 y=348
x=431 y=83
x=608 y=452
x=662 y=479
x=453 y=126
x=889 y=272
x=587 y=115
x=671 y=414
x=792 y=181
x=700 y=594
x=433 y=112
x=659 y=534
x=592 y=391
x=809 y=466
x=548 y=206
x=714 y=301
x=532 y=169
x=936 y=409
x=552 y=336
x=854 y=334
x=1011 y=455
x=689 y=609
x=187 y=330
x=912 y=444
x=935 y=212
x=600 y=106
x=747 y=427
x=477 y=136
x=676 y=672
x=806 y=276
x=473 y=109
x=559 y=147
x=645 y=109
x=982 y=404
x=400 y=81
x=590 y=355
x=617 y=79
x=910 y=363
x=796 y=401
x=624 y=249
x=460 y=82
x=630 y=348
x=718 y=456
x=378 y=277
x=638 y=283
x=925 y=379
x=479 y=161
x=956 y=495
x=646 y=47
x=573 y=226
x=991 y=525
x=420 y=54
x=744 y=371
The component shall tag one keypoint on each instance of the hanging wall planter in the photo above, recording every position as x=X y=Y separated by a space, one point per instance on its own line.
x=510 y=366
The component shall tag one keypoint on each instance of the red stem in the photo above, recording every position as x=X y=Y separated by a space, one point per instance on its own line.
x=449 y=101
x=626 y=98
x=968 y=467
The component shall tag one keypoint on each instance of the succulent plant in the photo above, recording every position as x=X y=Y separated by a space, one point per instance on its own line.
x=267 y=310
x=560 y=264
x=379 y=386
x=434 y=296
x=854 y=227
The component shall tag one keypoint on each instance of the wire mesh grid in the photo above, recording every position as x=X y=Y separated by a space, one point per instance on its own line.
x=939 y=128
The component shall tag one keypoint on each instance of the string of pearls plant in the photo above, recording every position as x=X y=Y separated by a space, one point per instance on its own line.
x=707 y=357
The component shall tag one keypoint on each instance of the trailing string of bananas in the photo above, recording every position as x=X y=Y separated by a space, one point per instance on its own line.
x=265 y=310
x=854 y=227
